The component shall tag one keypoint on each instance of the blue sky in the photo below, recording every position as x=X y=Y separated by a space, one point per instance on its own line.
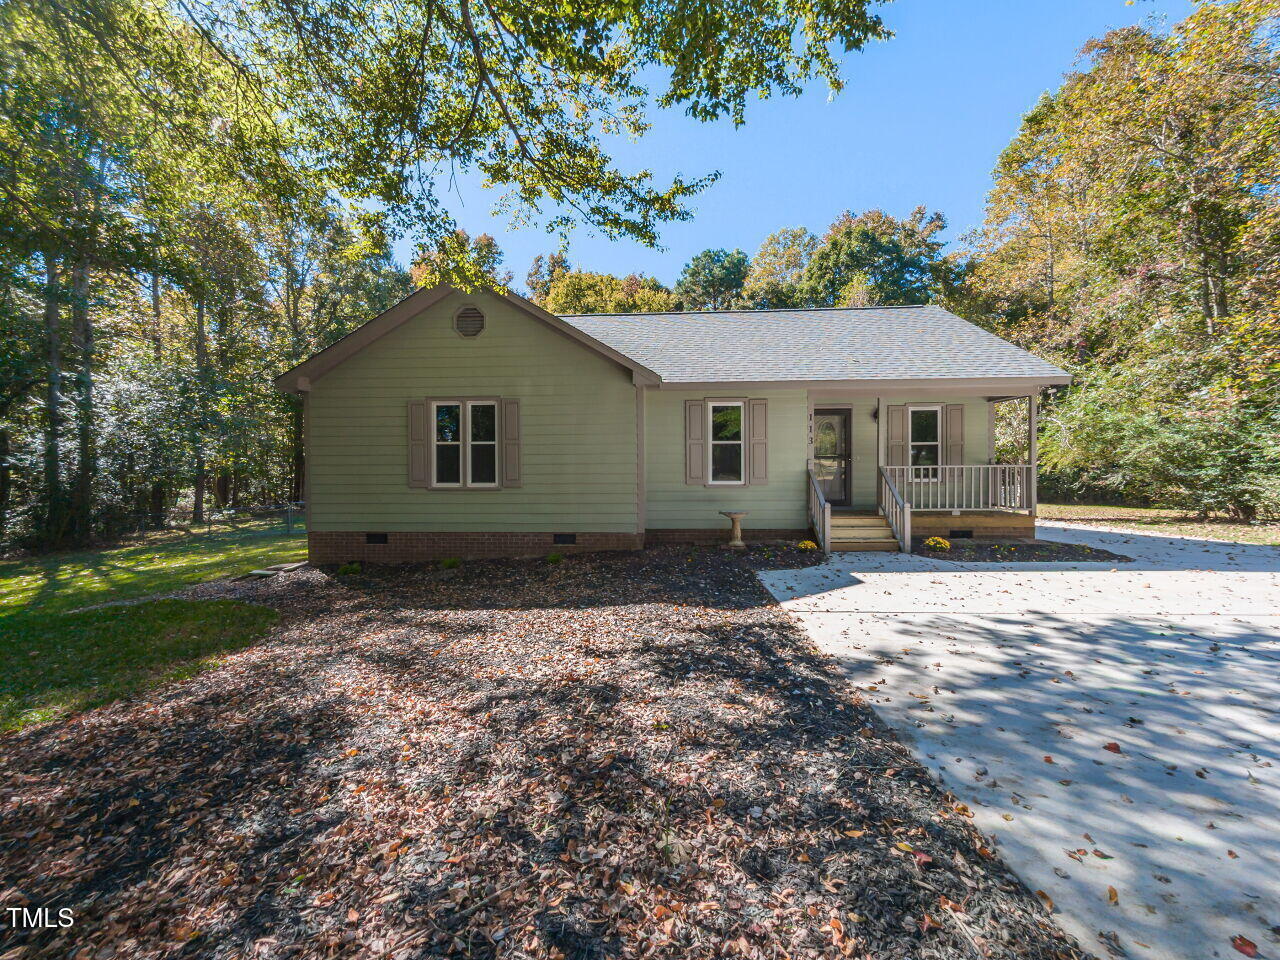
x=922 y=120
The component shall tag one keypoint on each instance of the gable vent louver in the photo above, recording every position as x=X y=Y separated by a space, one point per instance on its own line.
x=469 y=322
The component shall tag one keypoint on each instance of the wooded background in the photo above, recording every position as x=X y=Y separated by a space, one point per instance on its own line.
x=198 y=197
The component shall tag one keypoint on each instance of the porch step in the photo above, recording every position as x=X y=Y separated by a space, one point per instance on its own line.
x=839 y=522
x=869 y=543
x=879 y=532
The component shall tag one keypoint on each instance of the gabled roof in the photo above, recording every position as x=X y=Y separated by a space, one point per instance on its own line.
x=836 y=344
x=824 y=345
x=300 y=377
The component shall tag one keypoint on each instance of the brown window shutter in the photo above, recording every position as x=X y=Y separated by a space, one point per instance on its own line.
x=758 y=432
x=511 y=475
x=895 y=436
x=953 y=433
x=418 y=443
x=695 y=442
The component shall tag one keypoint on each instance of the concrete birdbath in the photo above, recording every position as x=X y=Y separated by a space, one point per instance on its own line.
x=735 y=534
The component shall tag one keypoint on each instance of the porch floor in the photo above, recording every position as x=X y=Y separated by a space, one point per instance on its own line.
x=916 y=511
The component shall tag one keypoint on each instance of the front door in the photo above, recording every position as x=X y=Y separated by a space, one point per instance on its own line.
x=831 y=446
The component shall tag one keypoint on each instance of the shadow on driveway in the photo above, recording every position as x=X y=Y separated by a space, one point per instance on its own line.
x=1115 y=730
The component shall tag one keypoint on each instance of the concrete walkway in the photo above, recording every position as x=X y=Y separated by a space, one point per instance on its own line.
x=1115 y=726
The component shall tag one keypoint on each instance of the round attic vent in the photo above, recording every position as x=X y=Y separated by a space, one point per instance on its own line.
x=469 y=322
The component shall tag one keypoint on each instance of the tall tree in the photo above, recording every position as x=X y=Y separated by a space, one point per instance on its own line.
x=713 y=280
x=777 y=269
x=386 y=97
x=439 y=263
x=579 y=291
x=1132 y=234
x=543 y=272
x=876 y=259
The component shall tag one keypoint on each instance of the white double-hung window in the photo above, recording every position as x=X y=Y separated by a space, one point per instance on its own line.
x=725 y=453
x=482 y=443
x=465 y=442
x=924 y=441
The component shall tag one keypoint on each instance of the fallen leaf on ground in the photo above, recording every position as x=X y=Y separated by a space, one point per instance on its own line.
x=1245 y=945
x=547 y=846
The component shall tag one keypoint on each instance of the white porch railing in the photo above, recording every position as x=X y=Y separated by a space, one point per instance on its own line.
x=896 y=510
x=819 y=512
x=995 y=486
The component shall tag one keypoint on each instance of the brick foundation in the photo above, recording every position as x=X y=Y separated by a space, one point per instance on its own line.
x=410 y=546
x=655 y=537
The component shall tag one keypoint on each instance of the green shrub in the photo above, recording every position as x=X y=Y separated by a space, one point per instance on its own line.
x=450 y=563
x=348 y=568
x=937 y=543
x=554 y=557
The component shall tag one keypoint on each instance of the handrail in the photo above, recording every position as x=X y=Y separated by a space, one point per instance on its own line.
x=896 y=510
x=819 y=512
x=993 y=486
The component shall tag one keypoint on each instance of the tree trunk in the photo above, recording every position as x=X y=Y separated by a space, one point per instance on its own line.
x=1206 y=296
x=86 y=429
x=6 y=481
x=1220 y=305
x=55 y=518
x=197 y=495
x=222 y=488
x=157 y=343
x=159 y=497
x=202 y=360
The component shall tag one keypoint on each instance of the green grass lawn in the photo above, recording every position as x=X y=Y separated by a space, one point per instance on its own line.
x=56 y=658
x=1154 y=520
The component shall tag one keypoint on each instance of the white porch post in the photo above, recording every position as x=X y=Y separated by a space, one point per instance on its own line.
x=880 y=504
x=1033 y=450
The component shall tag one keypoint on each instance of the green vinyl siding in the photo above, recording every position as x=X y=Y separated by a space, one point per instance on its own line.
x=672 y=504
x=577 y=418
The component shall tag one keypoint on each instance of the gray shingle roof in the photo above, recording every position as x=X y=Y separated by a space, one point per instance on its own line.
x=870 y=343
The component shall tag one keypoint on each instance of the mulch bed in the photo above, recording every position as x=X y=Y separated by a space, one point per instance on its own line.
x=629 y=755
x=779 y=555
x=1017 y=551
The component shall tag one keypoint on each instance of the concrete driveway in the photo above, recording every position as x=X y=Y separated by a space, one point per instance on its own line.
x=1116 y=727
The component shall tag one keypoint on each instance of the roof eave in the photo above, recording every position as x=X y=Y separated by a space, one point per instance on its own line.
x=872 y=386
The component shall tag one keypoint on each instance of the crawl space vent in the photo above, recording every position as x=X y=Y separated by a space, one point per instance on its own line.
x=469 y=322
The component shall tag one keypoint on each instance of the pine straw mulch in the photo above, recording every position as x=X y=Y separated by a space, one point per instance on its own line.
x=615 y=756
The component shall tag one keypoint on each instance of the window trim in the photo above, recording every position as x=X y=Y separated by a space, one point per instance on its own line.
x=741 y=442
x=496 y=443
x=437 y=443
x=464 y=405
x=929 y=474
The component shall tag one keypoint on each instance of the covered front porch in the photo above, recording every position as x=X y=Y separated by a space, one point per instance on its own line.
x=883 y=470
